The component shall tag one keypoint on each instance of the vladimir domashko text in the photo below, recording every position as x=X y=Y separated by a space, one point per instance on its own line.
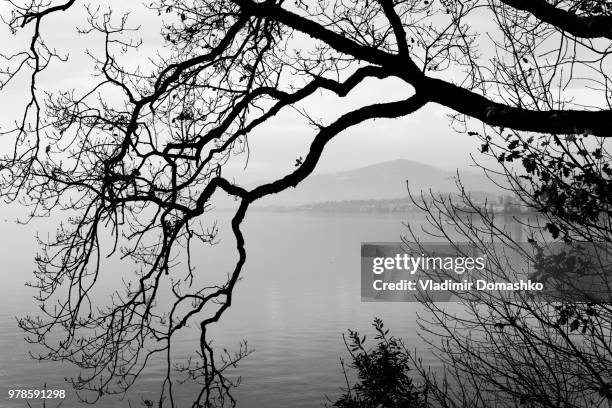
x=450 y=285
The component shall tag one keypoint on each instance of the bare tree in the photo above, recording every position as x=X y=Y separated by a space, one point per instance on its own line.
x=530 y=349
x=138 y=155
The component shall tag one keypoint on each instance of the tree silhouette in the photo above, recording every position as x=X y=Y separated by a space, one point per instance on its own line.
x=137 y=155
x=529 y=349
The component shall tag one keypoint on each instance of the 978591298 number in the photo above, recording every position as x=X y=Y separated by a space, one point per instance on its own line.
x=33 y=394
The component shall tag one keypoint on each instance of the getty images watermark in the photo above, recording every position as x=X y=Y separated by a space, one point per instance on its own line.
x=458 y=265
x=445 y=272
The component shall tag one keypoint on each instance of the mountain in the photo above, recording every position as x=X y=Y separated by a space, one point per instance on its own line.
x=379 y=181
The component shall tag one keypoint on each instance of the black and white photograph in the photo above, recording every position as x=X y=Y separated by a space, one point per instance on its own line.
x=306 y=203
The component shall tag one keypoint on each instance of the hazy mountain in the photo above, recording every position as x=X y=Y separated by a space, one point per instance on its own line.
x=379 y=181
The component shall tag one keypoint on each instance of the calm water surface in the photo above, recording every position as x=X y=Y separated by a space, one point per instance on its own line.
x=300 y=291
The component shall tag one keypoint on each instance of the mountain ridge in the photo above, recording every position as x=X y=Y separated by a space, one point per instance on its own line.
x=385 y=180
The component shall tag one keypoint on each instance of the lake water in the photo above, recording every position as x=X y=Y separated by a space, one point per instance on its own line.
x=300 y=291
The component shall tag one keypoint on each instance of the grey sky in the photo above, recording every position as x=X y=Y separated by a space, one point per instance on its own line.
x=424 y=137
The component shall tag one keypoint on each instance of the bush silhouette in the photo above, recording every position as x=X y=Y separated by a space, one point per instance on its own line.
x=383 y=378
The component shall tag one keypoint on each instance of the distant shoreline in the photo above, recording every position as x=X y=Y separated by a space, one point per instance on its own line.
x=496 y=204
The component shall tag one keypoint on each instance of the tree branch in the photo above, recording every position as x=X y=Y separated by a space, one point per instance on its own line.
x=317 y=31
x=598 y=123
x=579 y=26
x=382 y=110
x=397 y=25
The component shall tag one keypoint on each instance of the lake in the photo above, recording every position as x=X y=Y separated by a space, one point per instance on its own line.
x=300 y=291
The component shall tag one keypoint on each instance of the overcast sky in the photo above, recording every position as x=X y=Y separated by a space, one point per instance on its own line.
x=424 y=136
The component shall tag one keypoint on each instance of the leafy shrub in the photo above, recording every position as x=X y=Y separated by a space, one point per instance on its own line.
x=383 y=379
